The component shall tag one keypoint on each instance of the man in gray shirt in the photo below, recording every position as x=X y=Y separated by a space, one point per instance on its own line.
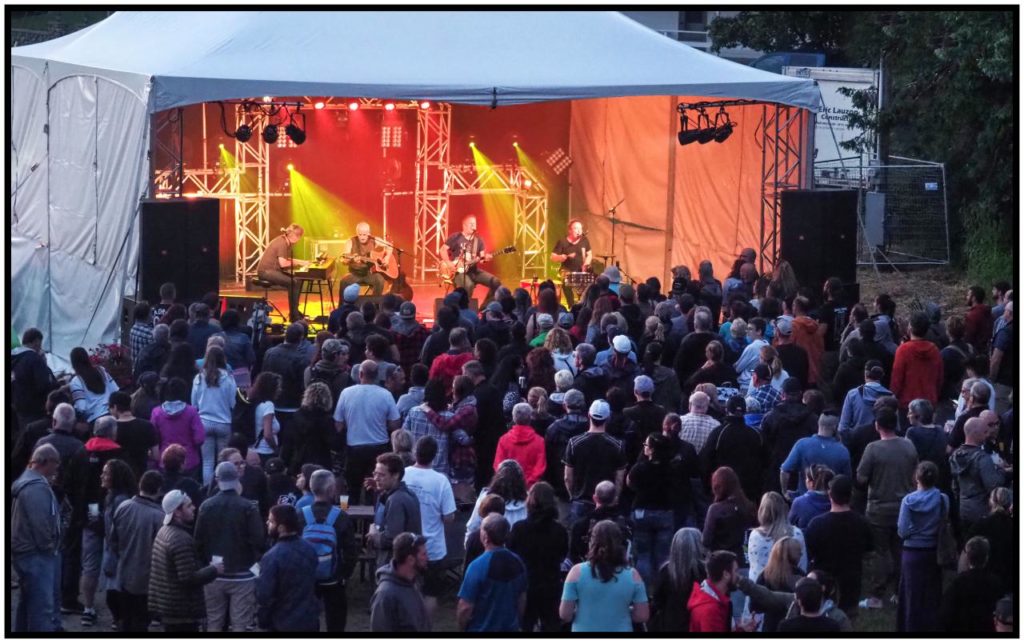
x=35 y=532
x=366 y=414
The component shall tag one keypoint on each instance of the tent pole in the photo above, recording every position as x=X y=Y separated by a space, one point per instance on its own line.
x=670 y=203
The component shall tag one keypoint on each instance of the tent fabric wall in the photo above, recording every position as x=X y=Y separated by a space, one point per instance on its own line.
x=73 y=254
x=712 y=210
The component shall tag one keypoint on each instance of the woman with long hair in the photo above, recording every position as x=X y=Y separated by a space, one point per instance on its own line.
x=214 y=394
x=559 y=343
x=509 y=482
x=654 y=331
x=313 y=428
x=540 y=369
x=543 y=543
x=177 y=422
x=781 y=575
x=118 y=480
x=602 y=307
x=676 y=577
x=785 y=277
x=604 y=594
x=729 y=515
x=653 y=519
x=773 y=525
x=506 y=380
x=815 y=501
x=485 y=351
x=264 y=391
x=578 y=332
x=770 y=356
x=182 y=364
x=90 y=387
x=537 y=398
x=923 y=513
x=714 y=370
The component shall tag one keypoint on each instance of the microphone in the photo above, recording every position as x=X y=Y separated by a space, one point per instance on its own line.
x=282 y=229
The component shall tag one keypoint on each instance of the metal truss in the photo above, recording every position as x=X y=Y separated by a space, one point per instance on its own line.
x=782 y=131
x=531 y=206
x=250 y=190
x=166 y=140
x=432 y=192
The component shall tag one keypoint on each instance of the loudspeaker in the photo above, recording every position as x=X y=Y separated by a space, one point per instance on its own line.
x=179 y=241
x=474 y=305
x=242 y=303
x=818 y=235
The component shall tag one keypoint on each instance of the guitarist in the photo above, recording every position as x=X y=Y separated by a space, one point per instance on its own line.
x=466 y=249
x=360 y=264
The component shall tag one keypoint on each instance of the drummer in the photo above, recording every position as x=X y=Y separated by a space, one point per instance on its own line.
x=574 y=253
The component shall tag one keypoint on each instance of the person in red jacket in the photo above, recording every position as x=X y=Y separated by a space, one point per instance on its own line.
x=445 y=367
x=917 y=369
x=522 y=444
x=978 y=321
x=810 y=336
x=709 y=604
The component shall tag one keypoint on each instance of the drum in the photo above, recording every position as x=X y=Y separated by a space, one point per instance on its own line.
x=578 y=281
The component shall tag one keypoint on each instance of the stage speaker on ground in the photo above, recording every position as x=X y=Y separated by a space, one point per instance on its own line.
x=179 y=243
x=244 y=304
x=818 y=235
x=474 y=305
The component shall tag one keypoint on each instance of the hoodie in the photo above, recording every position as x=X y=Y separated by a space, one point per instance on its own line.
x=808 y=506
x=787 y=423
x=805 y=335
x=525 y=446
x=397 y=605
x=858 y=407
x=709 y=612
x=179 y=423
x=974 y=477
x=31 y=381
x=592 y=382
x=214 y=403
x=917 y=372
x=921 y=518
x=35 y=516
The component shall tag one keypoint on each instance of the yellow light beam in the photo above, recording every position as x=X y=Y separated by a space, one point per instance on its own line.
x=321 y=213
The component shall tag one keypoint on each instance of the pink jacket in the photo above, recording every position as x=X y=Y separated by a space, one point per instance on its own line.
x=179 y=423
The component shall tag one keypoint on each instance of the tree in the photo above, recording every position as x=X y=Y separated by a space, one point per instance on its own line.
x=951 y=81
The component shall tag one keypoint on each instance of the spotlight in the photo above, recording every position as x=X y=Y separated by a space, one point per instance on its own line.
x=472 y=144
x=291 y=167
x=353 y=106
x=243 y=133
x=389 y=107
x=723 y=130
x=220 y=145
x=297 y=135
x=425 y=104
x=267 y=99
x=527 y=184
x=270 y=133
x=319 y=104
x=706 y=133
x=515 y=144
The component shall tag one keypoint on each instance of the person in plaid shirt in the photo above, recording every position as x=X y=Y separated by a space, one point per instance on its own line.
x=141 y=333
x=429 y=419
x=697 y=425
x=409 y=336
x=761 y=388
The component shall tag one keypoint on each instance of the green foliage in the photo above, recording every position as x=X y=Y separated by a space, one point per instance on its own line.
x=949 y=97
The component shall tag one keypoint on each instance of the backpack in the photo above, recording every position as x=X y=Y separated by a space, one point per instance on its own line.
x=325 y=541
x=243 y=418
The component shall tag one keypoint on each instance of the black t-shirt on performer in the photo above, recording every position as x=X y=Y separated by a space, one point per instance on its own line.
x=457 y=242
x=566 y=247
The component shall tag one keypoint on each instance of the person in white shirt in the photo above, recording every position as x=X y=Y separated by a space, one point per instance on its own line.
x=437 y=509
x=751 y=355
x=214 y=395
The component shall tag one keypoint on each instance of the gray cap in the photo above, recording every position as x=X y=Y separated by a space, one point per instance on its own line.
x=351 y=293
x=172 y=500
x=784 y=325
x=599 y=410
x=545 y=321
x=565 y=320
x=226 y=475
x=575 y=400
x=643 y=384
x=613 y=274
x=407 y=310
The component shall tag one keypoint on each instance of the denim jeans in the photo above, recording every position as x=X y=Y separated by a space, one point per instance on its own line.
x=217 y=435
x=36 y=605
x=652 y=538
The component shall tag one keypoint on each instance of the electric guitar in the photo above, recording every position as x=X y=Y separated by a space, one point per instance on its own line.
x=446 y=270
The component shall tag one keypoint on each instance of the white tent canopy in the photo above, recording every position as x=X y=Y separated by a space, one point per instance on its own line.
x=80 y=109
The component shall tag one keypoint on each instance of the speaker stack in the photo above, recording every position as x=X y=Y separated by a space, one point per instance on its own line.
x=179 y=244
x=818 y=236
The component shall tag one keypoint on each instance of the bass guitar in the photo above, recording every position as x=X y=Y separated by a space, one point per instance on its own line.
x=446 y=270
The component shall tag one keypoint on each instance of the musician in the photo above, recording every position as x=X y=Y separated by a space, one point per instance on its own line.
x=466 y=249
x=574 y=253
x=278 y=257
x=361 y=267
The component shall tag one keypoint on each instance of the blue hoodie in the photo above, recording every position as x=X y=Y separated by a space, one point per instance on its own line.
x=807 y=507
x=858 y=407
x=921 y=518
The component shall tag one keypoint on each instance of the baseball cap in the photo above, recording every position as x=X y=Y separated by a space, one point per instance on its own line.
x=626 y=291
x=784 y=325
x=643 y=384
x=351 y=293
x=613 y=274
x=736 y=405
x=275 y=465
x=565 y=320
x=545 y=321
x=621 y=344
x=575 y=400
x=172 y=500
x=599 y=410
x=494 y=307
x=407 y=310
x=227 y=476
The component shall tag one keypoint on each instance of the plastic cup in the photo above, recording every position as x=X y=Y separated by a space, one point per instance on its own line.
x=343 y=502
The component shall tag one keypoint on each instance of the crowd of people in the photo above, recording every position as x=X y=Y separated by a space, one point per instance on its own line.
x=749 y=455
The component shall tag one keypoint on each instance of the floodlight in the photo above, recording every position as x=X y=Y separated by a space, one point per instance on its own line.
x=270 y=133
x=297 y=135
x=243 y=133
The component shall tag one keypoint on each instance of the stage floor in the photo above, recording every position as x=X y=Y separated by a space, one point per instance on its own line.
x=424 y=295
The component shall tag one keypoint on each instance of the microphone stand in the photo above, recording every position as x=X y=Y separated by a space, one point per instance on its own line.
x=615 y=221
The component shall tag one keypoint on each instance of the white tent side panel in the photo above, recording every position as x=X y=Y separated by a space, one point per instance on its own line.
x=74 y=246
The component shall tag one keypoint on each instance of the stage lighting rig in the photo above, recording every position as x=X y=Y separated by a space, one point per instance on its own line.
x=294 y=132
x=270 y=133
x=243 y=133
x=701 y=129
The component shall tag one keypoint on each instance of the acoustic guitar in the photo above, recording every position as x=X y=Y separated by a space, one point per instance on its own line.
x=446 y=270
x=380 y=260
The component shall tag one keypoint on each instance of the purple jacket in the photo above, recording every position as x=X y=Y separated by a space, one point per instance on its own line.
x=179 y=423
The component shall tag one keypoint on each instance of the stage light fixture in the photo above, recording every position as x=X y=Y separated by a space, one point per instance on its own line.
x=291 y=167
x=472 y=144
x=706 y=132
x=686 y=134
x=425 y=104
x=389 y=107
x=267 y=99
x=297 y=135
x=243 y=133
x=220 y=145
x=723 y=130
x=515 y=144
x=527 y=184
x=270 y=133
x=353 y=106
x=319 y=104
